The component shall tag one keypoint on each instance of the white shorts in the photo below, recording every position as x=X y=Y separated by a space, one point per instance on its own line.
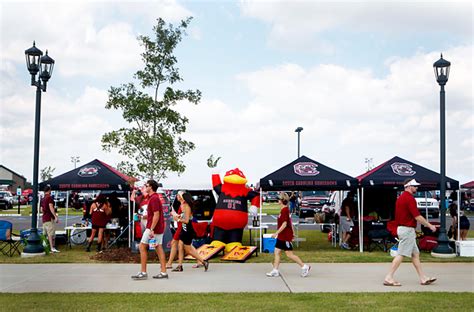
x=146 y=238
x=407 y=241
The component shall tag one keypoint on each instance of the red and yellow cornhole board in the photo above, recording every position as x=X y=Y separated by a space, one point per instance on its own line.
x=206 y=251
x=241 y=253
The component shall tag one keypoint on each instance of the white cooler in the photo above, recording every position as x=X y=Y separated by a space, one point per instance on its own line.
x=465 y=248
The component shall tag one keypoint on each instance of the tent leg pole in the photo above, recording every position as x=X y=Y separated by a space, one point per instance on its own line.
x=360 y=207
x=129 y=233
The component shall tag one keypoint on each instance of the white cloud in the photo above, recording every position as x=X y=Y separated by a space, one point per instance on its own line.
x=302 y=24
x=346 y=114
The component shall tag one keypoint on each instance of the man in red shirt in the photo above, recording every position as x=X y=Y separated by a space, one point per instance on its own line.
x=155 y=226
x=49 y=217
x=406 y=216
x=284 y=236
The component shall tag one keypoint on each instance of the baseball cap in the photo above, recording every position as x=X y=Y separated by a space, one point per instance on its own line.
x=412 y=182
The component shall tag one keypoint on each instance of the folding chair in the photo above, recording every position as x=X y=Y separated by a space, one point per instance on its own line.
x=9 y=242
x=379 y=236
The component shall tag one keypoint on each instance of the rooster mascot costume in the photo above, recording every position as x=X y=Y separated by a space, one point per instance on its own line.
x=231 y=213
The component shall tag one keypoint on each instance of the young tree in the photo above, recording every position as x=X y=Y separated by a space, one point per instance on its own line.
x=46 y=173
x=153 y=143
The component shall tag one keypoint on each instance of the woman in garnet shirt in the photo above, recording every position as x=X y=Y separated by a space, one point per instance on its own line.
x=284 y=236
x=100 y=212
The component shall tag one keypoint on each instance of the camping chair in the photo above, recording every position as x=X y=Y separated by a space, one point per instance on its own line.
x=379 y=236
x=9 y=242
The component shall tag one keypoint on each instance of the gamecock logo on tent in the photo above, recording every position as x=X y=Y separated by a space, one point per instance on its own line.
x=403 y=169
x=88 y=171
x=306 y=169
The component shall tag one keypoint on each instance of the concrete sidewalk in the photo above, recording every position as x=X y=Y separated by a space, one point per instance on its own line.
x=231 y=277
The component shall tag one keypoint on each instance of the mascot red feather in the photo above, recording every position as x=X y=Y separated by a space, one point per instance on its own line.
x=231 y=213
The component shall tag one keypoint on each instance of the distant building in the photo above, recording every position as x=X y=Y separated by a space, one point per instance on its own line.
x=11 y=180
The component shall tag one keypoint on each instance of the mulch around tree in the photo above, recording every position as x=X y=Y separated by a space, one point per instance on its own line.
x=122 y=255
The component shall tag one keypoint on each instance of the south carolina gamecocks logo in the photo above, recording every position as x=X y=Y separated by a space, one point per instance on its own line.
x=88 y=171
x=306 y=169
x=403 y=169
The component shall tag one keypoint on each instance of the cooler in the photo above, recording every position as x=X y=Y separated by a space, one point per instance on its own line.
x=268 y=243
x=465 y=248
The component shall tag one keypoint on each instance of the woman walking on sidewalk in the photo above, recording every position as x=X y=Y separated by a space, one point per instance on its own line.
x=187 y=232
x=284 y=236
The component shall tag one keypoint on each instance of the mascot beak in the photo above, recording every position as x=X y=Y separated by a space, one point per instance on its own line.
x=235 y=176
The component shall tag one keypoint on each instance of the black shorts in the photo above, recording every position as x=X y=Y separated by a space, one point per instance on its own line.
x=228 y=236
x=283 y=245
x=187 y=234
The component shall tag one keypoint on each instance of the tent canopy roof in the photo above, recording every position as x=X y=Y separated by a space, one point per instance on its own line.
x=468 y=185
x=95 y=175
x=393 y=172
x=307 y=174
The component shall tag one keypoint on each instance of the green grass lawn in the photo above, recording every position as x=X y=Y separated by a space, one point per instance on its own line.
x=408 y=301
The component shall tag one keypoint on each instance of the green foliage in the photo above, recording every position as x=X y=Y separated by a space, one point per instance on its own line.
x=153 y=142
x=211 y=162
x=46 y=173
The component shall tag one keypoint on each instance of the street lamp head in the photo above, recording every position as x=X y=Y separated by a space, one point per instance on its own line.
x=299 y=129
x=441 y=70
x=32 y=56
x=47 y=64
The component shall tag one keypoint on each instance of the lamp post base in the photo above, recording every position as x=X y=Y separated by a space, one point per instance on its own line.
x=34 y=247
x=443 y=255
x=31 y=255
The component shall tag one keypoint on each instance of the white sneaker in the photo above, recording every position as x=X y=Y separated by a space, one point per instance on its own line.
x=305 y=270
x=273 y=273
x=55 y=250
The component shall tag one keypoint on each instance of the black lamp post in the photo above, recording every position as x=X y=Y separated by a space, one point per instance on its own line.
x=299 y=129
x=36 y=62
x=441 y=69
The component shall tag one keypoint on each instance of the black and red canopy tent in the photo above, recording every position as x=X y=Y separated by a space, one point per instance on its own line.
x=380 y=185
x=468 y=185
x=95 y=175
x=306 y=174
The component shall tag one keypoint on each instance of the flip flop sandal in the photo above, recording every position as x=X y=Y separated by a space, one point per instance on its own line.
x=197 y=266
x=385 y=283
x=429 y=281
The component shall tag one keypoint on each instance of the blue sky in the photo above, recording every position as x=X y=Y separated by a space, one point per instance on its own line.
x=356 y=75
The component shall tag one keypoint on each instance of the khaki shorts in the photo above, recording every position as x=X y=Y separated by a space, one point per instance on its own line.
x=346 y=225
x=407 y=241
x=146 y=238
x=49 y=229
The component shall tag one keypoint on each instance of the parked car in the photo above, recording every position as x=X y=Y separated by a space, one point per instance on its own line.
x=270 y=196
x=426 y=202
x=312 y=202
x=6 y=200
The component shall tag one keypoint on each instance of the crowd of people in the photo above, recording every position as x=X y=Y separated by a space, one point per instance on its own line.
x=102 y=208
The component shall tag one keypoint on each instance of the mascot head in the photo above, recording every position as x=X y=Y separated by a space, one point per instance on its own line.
x=235 y=176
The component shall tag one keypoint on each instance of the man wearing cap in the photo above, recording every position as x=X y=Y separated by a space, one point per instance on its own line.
x=406 y=216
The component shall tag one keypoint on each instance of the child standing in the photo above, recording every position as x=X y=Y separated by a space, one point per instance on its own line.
x=284 y=236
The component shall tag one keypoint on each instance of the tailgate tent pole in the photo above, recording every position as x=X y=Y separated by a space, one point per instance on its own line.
x=360 y=206
x=67 y=206
x=129 y=230
x=459 y=221
x=260 y=221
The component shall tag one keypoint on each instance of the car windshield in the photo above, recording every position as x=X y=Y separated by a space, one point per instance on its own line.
x=423 y=195
x=4 y=193
x=314 y=193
